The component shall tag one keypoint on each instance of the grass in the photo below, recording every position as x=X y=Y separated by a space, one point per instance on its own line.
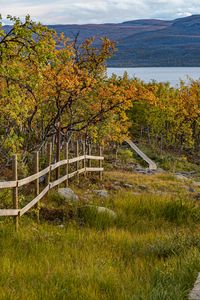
x=150 y=251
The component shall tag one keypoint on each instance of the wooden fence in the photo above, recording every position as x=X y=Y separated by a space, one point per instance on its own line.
x=81 y=168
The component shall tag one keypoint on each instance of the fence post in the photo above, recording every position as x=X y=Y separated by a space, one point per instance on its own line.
x=89 y=153
x=37 y=184
x=77 y=163
x=100 y=163
x=49 y=155
x=58 y=151
x=84 y=161
x=53 y=141
x=67 y=164
x=15 y=190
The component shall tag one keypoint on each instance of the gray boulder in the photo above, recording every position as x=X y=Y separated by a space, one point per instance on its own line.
x=68 y=194
x=101 y=210
x=180 y=177
x=104 y=210
x=141 y=171
x=101 y=193
x=128 y=185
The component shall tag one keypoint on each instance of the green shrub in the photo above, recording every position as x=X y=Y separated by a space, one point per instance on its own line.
x=125 y=155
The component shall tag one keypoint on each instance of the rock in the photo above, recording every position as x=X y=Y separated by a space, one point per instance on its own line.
x=101 y=193
x=191 y=189
x=143 y=187
x=184 y=175
x=196 y=183
x=149 y=171
x=127 y=185
x=68 y=194
x=61 y=226
x=187 y=174
x=141 y=171
x=101 y=210
x=180 y=176
x=110 y=212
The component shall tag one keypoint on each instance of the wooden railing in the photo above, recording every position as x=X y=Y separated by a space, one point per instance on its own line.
x=17 y=212
x=151 y=163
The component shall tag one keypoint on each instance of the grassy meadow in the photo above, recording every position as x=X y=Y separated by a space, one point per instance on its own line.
x=150 y=251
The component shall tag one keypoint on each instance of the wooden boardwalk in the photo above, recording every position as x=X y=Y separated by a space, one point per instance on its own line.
x=195 y=292
x=151 y=163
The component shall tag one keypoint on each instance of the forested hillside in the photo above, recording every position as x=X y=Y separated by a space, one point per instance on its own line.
x=145 y=42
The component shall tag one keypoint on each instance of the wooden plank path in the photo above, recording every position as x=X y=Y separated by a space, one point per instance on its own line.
x=195 y=292
x=151 y=163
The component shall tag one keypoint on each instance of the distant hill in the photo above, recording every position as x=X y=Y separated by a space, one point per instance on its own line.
x=178 y=44
x=147 y=42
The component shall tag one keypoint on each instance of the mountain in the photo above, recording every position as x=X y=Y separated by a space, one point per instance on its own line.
x=115 y=32
x=177 y=44
x=147 y=42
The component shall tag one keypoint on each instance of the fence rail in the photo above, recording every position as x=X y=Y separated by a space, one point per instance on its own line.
x=29 y=179
x=15 y=184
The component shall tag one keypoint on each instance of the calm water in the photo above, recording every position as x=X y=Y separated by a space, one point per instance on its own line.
x=172 y=75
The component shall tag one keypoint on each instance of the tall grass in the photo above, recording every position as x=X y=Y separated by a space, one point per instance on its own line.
x=150 y=251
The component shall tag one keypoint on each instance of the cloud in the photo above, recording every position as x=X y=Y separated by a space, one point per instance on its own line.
x=97 y=11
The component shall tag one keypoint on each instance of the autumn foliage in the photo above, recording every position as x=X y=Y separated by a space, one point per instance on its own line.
x=172 y=121
x=48 y=81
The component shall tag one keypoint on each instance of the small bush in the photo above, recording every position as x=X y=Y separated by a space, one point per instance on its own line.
x=125 y=155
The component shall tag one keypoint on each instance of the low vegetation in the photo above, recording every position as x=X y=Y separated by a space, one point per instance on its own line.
x=150 y=251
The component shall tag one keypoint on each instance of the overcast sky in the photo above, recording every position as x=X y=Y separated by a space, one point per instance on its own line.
x=97 y=11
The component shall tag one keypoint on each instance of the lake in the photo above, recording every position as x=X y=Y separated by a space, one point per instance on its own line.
x=170 y=74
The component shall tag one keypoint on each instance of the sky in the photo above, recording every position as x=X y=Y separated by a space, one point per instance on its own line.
x=97 y=11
